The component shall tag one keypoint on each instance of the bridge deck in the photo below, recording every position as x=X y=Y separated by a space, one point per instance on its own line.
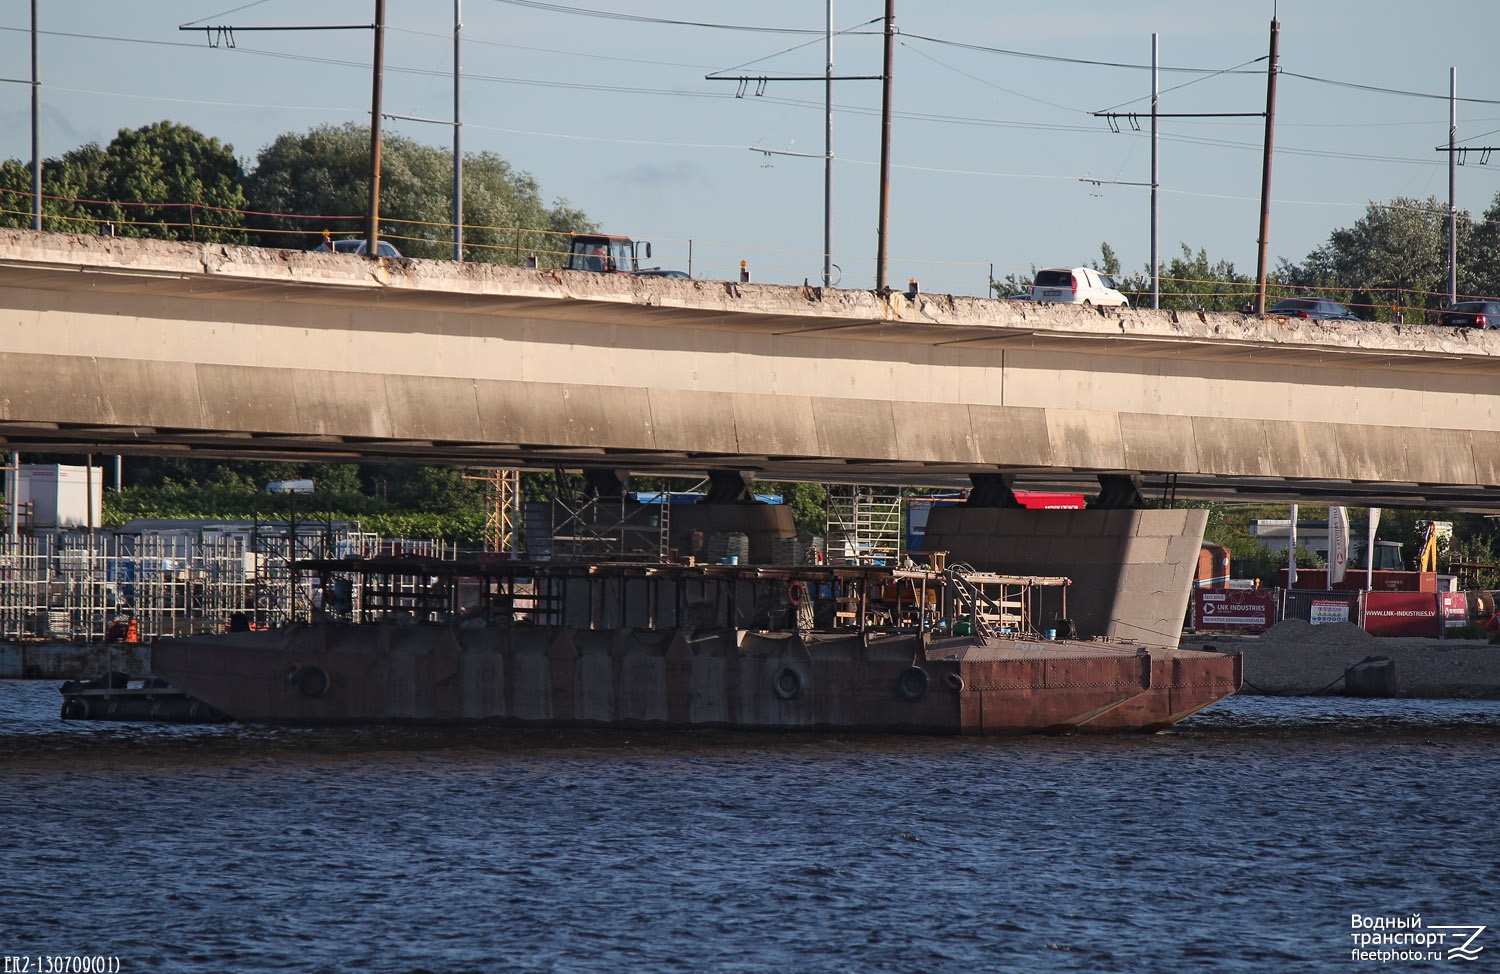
x=117 y=345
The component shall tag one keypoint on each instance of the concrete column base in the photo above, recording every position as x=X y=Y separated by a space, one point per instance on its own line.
x=1132 y=570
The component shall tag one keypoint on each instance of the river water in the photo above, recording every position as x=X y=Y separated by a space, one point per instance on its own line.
x=1245 y=839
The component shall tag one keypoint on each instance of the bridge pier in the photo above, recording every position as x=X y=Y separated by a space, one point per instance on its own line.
x=1132 y=570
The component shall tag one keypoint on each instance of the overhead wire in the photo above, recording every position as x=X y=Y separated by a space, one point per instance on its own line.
x=644 y=19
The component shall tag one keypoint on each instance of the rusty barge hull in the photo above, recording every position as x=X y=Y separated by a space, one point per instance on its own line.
x=521 y=676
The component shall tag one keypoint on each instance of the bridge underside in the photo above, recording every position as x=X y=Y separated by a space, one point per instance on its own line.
x=1154 y=485
x=140 y=348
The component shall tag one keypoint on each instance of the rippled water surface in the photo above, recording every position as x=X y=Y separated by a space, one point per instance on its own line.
x=1242 y=840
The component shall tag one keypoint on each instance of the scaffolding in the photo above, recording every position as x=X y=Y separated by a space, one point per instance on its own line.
x=87 y=587
x=864 y=525
x=502 y=520
x=594 y=529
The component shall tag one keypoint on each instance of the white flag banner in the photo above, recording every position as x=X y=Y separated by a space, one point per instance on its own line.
x=1338 y=544
x=1291 y=549
x=1370 y=547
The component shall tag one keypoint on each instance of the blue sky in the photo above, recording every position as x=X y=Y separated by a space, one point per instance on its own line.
x=989 y=147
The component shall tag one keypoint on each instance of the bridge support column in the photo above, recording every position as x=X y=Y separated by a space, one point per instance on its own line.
x=992 y=490
x=604 y=483
x=730 y=507
x=1119 y=491
x=1132 y=570
x=729 y=487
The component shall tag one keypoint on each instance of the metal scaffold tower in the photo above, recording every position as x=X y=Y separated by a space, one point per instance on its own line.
x=864 y=525
x=502 y=521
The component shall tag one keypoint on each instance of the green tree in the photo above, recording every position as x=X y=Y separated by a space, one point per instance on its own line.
x=1393 y=259
x=66 y=184
x=1479 y=261
x=172 y=182
x=1188 y=282
x=324 y=174
x=1110 y=262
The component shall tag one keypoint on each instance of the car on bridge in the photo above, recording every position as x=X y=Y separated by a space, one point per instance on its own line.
x=359 y=245
x=1472 y=314
x=1077 y=285
x=1318 y=309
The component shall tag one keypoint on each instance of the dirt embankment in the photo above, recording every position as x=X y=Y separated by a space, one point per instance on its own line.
x=1294 y=658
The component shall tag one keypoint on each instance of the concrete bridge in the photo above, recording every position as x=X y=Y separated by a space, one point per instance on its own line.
x=114 y=345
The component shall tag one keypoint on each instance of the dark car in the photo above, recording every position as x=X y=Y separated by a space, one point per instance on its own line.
x=1472 y=314
x=1321 y=309
x=357 y=246
x=661 y=272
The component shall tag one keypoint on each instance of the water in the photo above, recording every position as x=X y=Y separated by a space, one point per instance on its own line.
x=1243 y=840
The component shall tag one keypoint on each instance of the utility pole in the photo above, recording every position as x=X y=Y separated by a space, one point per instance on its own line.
x=828 y=152
x=1456 y=152
x=828 y=78
x=223 y=34
x=36 y=126
x=1265 y=172
x=372 y=232
x=1452 y=186
x=1155 y=183
x=458 y=152
x=1134 y=120
x=885 y=145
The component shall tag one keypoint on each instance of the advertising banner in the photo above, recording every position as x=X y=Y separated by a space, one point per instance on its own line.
x=1455 y=610
x=1402 y=614
x=1239 y=610
x=1325 y=611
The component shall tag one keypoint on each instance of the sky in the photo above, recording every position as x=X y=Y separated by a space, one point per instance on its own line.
x=993 y=138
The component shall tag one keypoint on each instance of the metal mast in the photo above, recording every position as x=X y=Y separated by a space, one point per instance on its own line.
x=1155 y=184
x=1265 y=173
x=885 y=145
x=36 y=127
x=458 y=152
x=372 y=232
x=1452 y=185
x=828 y=155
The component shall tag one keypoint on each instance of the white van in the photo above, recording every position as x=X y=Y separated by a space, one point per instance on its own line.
x=1077 y=285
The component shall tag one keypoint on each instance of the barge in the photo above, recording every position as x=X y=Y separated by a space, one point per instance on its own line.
x=119 y=696
x=906 y=650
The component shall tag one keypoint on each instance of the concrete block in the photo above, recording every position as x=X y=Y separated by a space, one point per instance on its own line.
x=1011 y=434
x=615 y=416
x=519 y=412
x=1154 y=441
x=1441 y=456
x=1086 y=438
x=772 y=424
x=1485 y=447
x=685 y=420
x=934 y=431
x=1231 y=446
x=423 y=407
x=47 y=388
x=855 y=428
x=1148 y=551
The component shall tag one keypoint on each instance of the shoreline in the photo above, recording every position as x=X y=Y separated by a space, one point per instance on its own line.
x=1295 y=658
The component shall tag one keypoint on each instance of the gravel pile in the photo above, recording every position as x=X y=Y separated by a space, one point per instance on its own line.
x=1296 y=658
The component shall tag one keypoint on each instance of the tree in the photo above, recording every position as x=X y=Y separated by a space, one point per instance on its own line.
x=66 y=183
x=172 y=182
x=1187 y=282
x=1479 y=261
x=1394 y=257
x=1111 y=265
x=324 y=173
